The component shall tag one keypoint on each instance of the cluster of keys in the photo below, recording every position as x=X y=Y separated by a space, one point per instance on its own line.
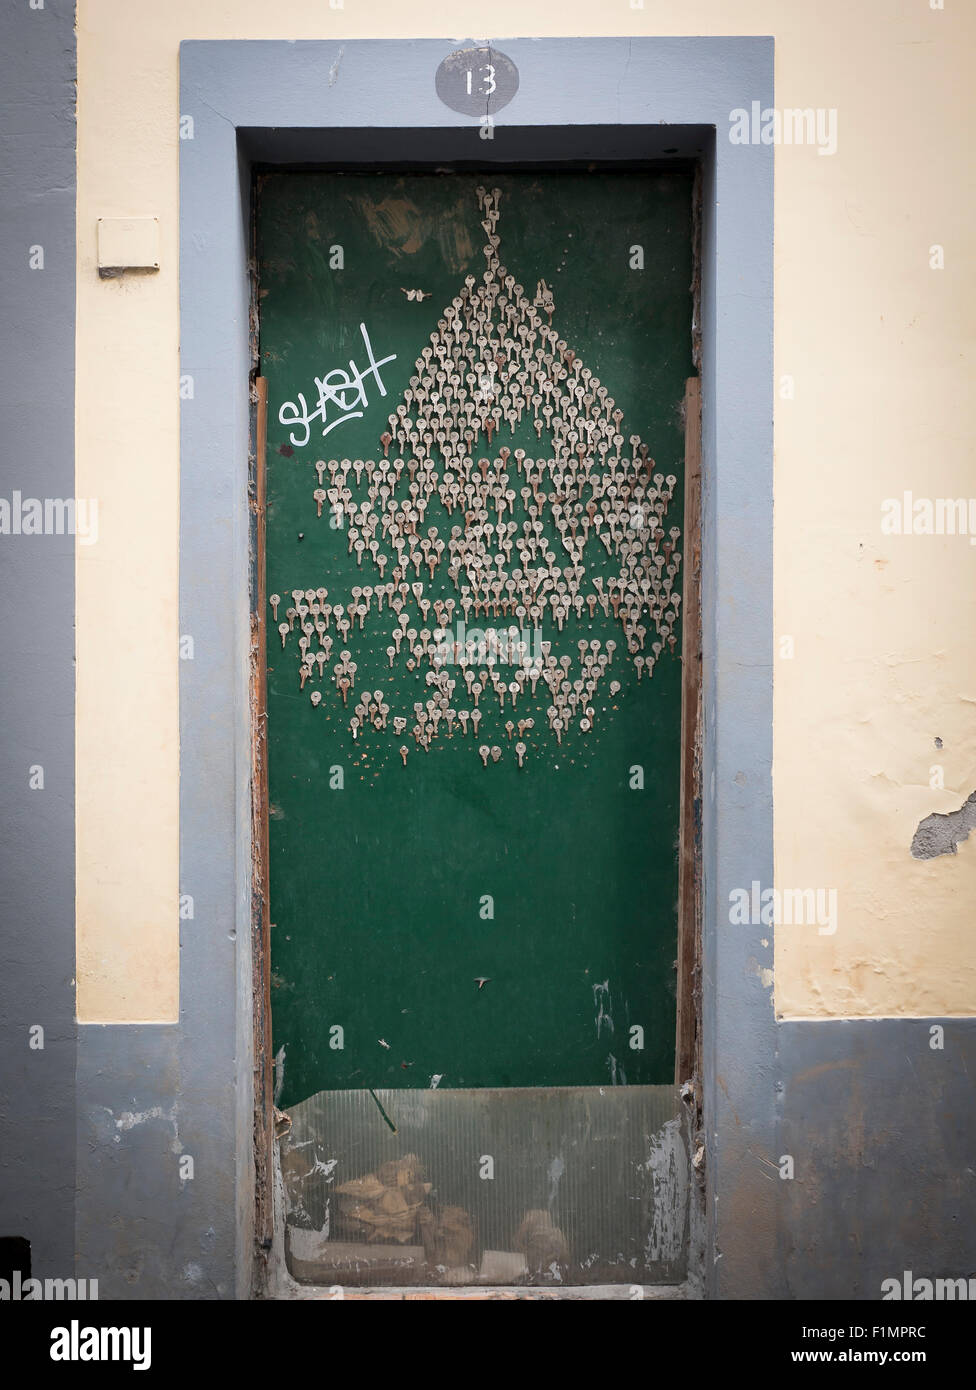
x=493 y=362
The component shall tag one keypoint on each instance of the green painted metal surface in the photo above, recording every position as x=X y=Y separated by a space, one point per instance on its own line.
x=381 y=928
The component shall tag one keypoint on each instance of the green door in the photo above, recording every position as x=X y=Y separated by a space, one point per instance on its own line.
x=474 y=540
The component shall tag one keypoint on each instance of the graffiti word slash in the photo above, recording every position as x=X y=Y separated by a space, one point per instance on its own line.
x=340 y=388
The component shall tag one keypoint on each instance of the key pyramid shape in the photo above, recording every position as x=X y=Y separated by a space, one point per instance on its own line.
x=494 y=362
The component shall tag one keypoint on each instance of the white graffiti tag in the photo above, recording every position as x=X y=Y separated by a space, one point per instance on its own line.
x=340 y=388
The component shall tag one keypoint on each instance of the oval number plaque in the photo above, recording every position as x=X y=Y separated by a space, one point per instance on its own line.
x=476 y=81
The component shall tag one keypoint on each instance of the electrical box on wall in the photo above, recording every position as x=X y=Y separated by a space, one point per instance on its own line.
x=127 y=243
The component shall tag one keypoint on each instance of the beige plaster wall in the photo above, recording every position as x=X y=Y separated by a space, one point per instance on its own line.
x=877 y=345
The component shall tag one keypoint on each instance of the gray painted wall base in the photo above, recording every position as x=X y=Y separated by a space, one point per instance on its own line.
x=143 y=1105
x=881 y=1129
x=879 y=1126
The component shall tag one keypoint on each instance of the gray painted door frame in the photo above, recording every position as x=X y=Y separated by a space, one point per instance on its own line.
x=369 y=101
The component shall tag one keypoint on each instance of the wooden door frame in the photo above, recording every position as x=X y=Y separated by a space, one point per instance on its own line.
x=264 y=1110
x=688 y=1048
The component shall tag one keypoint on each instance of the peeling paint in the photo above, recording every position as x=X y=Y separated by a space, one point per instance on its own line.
x=133 y=1119
x=601 y=998
x=324 y=1167
x=940 y=834
x=130 y=1118
x=667 y=1164
x=279 y=1073
x=765 y=975
x=556 y=1169
x=618 y=1077
x=401 y=228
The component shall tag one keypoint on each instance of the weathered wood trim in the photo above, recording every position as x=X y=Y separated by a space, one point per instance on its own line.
x=261 y=955
x=688 y=1046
